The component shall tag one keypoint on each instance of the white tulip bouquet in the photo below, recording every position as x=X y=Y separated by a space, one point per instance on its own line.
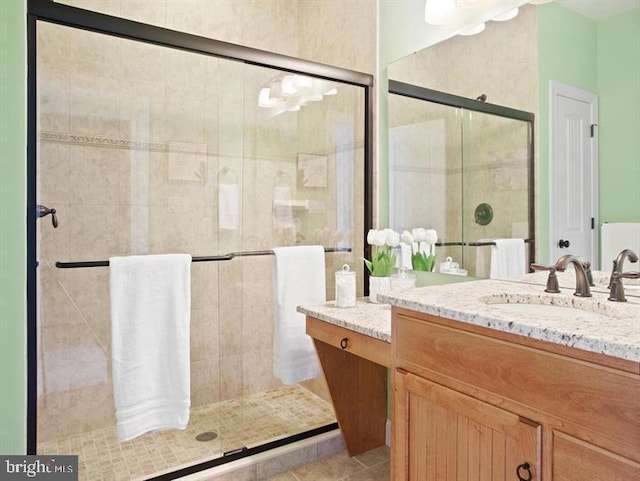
x=382 y=257
x=422 y=242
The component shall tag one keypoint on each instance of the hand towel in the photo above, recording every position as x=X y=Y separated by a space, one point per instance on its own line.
x=150 y=315
x=299 y=279
x=228 y=206
x=615 y=237
x=507 y=258
x=483 y=259
x=282 y=208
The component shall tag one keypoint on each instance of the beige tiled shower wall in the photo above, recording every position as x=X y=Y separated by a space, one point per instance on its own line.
x=133 y=141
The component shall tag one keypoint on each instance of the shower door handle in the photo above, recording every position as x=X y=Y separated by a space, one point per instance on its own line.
x=42 y=211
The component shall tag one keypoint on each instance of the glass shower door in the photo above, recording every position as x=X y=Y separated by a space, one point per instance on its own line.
x=496 y=184
x=425 y=170
x=144 y=149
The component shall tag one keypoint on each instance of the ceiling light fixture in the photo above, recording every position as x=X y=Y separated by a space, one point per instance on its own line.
x=290 y=92
x=472 y=30
x=438 y=12
x=506 y=15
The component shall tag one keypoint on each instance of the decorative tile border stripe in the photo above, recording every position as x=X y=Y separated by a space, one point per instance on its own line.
x=75 y=139
x=107 y=142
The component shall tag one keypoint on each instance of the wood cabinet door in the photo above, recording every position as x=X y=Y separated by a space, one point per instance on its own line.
x=449 y=436
x=574 y=459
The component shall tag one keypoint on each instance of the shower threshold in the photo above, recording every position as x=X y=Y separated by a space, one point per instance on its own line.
x=246 y=425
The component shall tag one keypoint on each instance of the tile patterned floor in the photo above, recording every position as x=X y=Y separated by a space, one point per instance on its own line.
x=241 y=422
x=370 y=466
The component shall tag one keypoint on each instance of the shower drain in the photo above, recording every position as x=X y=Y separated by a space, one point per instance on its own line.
x=206 y=436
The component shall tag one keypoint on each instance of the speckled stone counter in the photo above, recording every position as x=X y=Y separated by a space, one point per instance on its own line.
x=367 y=318
x=592 y=324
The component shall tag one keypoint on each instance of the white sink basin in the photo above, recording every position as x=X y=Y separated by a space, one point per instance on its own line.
x=553 y=306
x=546 y=311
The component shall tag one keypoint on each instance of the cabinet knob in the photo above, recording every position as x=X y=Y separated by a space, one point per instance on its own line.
x=344 y=342
x=523 y=472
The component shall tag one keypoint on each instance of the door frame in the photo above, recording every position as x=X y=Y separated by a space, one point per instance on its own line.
x=559 y=89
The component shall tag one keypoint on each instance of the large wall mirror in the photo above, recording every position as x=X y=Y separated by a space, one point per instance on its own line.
x=511 y=64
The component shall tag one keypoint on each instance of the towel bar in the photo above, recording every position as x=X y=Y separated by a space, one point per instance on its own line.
x=223 y=257
x=472 y=244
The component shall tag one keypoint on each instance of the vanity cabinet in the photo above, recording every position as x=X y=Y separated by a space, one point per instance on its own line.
x=471 y=402
x=450 y=435
x=355 y=367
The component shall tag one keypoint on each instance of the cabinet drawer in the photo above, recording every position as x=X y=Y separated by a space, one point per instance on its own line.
x=358 y=344
x=574 y=459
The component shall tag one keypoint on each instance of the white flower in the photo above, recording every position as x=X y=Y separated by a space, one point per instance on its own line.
x=431 y=236
x=407 y=238
x=371 y=236
x=392 y=238
x=419 y=234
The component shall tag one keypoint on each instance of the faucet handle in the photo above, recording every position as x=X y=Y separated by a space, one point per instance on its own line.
x=587 y=269
x=552 y=280
x=616 y=293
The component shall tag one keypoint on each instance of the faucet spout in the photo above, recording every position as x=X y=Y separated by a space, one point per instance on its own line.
x=619 y=261
x=582 y=282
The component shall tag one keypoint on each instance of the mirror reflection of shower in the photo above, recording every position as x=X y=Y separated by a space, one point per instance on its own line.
x=463 y=169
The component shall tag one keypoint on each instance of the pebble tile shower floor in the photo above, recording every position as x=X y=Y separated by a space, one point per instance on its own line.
x=240 y=422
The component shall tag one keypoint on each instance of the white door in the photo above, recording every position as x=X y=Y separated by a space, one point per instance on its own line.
x=573 y=164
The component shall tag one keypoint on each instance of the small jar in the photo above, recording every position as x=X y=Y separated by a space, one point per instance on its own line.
x=403 y=279
x=345 y=287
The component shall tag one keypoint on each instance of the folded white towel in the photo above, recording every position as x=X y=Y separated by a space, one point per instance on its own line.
x=228 y=206
x=615 y=237
x=507 y=258
x=299 y=279
x=150 y=315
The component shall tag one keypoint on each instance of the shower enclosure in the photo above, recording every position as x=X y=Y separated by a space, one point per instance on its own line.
x=462 y=167
x=149 y=141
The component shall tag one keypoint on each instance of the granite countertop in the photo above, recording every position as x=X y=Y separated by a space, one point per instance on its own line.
x=367 y=318
x=593 y=324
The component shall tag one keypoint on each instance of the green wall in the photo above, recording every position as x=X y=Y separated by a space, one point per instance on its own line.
x=601 y=57
x=619 y=117
x=566 y=53
x=12 y=227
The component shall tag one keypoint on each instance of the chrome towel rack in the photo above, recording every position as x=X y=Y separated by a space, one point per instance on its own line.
x=223 y=257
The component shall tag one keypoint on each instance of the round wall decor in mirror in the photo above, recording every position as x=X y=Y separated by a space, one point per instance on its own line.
x=483 y=214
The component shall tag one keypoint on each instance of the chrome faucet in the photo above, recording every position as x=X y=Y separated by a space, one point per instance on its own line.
x=582 y=282
x=617 y=289
x=617 y=264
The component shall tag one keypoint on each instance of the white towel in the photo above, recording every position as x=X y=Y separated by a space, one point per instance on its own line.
x=507 y=258
x=615 y=237
x=282 y=208
x=228 y=206
x=299 y=279
x=150 y=315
